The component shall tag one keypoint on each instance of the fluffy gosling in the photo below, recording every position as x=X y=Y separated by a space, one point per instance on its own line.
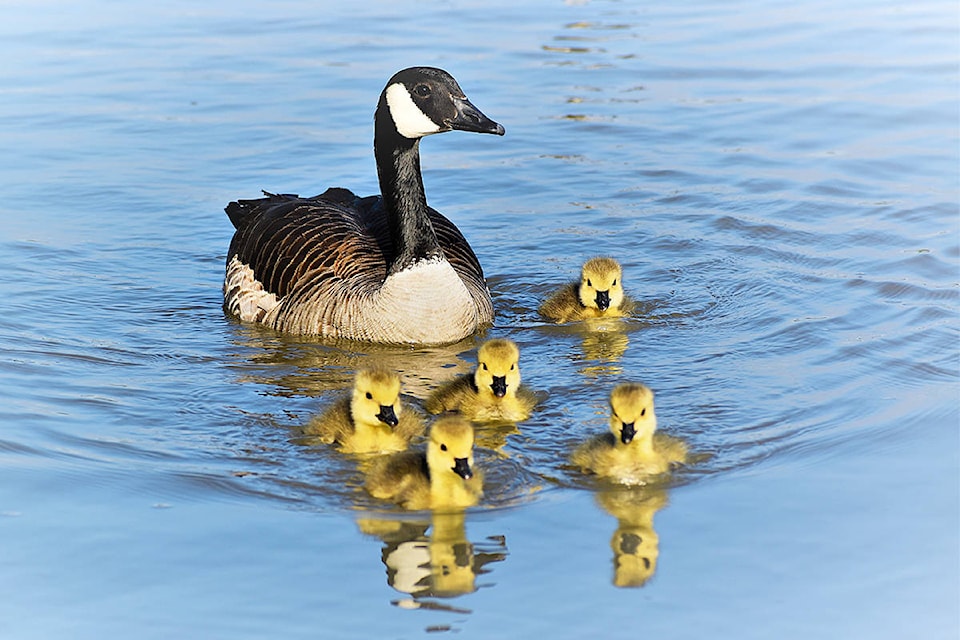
x=599 y=294
x=371 y=419
x=443 y=477
x=492 y=393
x=631 y=452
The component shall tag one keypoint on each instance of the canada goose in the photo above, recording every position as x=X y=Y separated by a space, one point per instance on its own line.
x=442 y=477
x=598 y=294
x=383 y=268
x=371 y=419
x=631 y=452
x=492 y=393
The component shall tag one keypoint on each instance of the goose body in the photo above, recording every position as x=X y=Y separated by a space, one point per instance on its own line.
x=384 y=268
x=492 y=393
x=371 y=419
x=442 y=477
x=598 y=294
x=631 y=452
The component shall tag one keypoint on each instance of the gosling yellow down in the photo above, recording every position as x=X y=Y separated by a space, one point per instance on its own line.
x=442 y=477
x=371 y=419
x=492 y=393
x=598 y=294
x=631 y=452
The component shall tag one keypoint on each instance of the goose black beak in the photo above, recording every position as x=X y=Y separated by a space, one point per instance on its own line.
x=499 y=386
x=462 y=468
x=627 y=431
x=603 y=300
x=387 y=416
x=469 y=118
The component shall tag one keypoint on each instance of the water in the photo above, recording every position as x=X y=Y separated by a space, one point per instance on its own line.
x=779 y=181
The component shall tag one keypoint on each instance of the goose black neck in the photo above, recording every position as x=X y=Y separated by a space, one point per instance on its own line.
x=398 y=166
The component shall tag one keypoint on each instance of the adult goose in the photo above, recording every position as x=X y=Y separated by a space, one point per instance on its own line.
x=384 y=268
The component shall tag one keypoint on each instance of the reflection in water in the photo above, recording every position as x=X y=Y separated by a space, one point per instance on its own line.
x=308 y=366
x=440 y=564
x=603 y=343
x=635 y=544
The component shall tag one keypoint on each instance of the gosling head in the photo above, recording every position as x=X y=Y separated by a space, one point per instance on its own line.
x=601 y=284
x=450 y=449
x=498 y=368
x=376 y=397
x=421 y=101
x=631 y=412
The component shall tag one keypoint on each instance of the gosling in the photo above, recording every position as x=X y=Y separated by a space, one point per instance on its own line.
x=371 y=419
x=631 y=453
x=443 y=477
x=492 y=393
x=599 y=294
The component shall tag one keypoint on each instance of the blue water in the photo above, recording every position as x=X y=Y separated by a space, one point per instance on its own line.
x=779 y=180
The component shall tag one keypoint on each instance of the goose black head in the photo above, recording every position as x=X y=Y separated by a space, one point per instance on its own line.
x=425 y=100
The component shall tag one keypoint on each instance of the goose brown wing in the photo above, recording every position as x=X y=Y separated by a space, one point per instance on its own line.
x=464 y=261
x=284 y=238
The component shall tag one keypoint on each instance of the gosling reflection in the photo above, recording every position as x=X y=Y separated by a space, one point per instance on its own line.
x=635 y=543
x=440 y=564
x=603 y=342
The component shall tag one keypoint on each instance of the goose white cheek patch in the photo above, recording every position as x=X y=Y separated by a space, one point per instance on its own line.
x=410 y=121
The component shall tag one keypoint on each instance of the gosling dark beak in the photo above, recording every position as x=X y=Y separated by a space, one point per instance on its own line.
x=627 y=431
x=499 y=386
x=462 y=468
x=603 y=300
x=469 y=118
x=387 y=416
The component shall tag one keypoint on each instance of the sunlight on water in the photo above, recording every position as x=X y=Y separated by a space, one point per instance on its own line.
x=779 y=183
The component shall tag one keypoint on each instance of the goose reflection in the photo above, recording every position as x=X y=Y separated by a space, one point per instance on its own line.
x=304 y=366
x=635 y=543
x=432 y=558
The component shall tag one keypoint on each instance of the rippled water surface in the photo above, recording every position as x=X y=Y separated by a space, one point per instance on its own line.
x=779 y=181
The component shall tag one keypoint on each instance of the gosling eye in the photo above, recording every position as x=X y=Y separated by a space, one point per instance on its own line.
x=643 y=412
x=511 y=367
x=369 y=396
x=589 y=284
x=422 y=90
x=484 y=366
x=614 y=282
x=443 y=447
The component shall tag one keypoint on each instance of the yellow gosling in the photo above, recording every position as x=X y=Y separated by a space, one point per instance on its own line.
x=371 y=419
x=598 y=294
x=492 y=393
x=632 y=452
x=443 y=477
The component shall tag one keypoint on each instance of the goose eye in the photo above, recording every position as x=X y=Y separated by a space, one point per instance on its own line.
x=422 y=90
x=614 y=282
x=643 y=412
x=511 y=367
x=589 y=284
x=443 y=447
x=369 y=396
x=484 y=366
